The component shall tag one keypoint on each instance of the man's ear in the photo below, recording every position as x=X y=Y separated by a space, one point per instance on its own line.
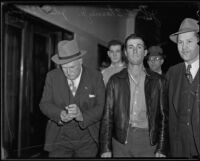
x=108 y=53
x=125 y=53
x=81 y=61
x=145 y=52
x=162 y=61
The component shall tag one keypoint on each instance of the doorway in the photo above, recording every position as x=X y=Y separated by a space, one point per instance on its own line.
x=28 y=45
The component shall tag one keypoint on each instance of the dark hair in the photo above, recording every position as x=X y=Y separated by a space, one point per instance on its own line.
x=114 y=42
x=134 y=36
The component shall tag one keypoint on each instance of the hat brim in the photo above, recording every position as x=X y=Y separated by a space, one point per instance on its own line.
x=155 y=54
x=173 y=37
x=59 y=61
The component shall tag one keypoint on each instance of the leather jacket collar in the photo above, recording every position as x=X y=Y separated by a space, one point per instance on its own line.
x=123 y=74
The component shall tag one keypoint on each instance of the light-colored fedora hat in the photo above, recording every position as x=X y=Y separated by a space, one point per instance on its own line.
x=187 y=25
x=68 y=51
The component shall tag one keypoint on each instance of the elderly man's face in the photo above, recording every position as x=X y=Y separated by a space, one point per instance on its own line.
x=188 y=47
x=73 y=69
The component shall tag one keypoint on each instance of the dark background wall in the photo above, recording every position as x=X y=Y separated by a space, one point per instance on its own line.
x=157 y=20
x=25 y=38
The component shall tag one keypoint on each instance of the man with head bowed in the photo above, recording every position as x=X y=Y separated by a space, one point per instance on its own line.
x=73 y=100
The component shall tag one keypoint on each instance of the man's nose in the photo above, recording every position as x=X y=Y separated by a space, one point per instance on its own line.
x=115 y=54
x=134 y=49
x=184 y=45
x=152 y=60
x=69 y=70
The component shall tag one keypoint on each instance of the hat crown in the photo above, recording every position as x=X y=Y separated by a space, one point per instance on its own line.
x=155 y=51
x=68 y=51
x=67 y=48
x=189 y=23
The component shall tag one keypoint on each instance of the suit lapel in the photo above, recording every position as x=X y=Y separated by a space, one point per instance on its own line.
x=196 y=110
x=177 y=85
x=83 y=85
x=195 y=84
x=64 y=88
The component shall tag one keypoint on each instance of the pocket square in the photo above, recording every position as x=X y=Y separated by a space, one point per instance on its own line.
x=91 y=96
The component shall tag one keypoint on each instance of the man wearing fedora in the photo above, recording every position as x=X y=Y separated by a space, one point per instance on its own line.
x=73 y=100
x=155 y=59
x=183 y=83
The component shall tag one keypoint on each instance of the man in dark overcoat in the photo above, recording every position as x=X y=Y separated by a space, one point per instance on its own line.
x=73 y=100
x=183 y=83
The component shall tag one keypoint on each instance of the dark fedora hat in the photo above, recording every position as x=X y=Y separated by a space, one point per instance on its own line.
x=187 y=25
x=155 y=51
x=68 y=51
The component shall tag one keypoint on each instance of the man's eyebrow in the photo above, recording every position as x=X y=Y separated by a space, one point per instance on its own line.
x=136 y=45
x=189 y=39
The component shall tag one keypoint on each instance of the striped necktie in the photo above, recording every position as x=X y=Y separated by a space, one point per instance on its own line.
x=72 y=87
x=188 y=73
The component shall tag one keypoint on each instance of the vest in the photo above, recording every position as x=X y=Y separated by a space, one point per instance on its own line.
x=186 y=100
x=71 y=129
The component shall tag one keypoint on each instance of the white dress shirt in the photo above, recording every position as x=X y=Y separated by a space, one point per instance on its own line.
x=194 y=68
x=75 y=81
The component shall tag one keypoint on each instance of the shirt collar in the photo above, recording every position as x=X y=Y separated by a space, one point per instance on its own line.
x=194 y=67
x=160 y=71
x=77 y=80
x=119 y=65
x=143 y=73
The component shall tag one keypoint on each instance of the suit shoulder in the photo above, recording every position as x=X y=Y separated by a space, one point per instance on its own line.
x=93 y=72
x=176 y=67
x=54 y=72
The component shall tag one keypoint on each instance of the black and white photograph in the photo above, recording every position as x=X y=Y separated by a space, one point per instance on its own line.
x=100 y=80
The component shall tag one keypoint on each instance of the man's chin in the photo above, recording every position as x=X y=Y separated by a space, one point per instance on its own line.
x=71 y=78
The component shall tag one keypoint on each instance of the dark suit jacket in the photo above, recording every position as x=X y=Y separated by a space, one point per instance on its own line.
x=90 y=95
x=175 y=76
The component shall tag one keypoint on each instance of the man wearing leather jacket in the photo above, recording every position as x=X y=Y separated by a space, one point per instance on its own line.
x=135 y=119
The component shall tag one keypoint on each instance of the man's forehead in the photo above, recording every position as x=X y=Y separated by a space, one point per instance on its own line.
x=70 y=64
x=117 y=46
x=186 y=35
x=136 y=41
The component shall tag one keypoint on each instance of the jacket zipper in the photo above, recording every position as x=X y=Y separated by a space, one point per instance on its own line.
x=126 y=141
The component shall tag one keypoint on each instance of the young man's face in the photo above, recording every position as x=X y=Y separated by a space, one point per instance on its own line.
x=135 y=51
x=155 y=62
x=72 y=70
x=188 y=47
x=114 y=53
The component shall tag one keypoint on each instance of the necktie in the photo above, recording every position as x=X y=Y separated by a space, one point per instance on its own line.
x=72 y=87
x=188 y=73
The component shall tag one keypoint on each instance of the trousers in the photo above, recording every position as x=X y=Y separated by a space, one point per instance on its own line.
x=138 y=144
x=74 y=142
